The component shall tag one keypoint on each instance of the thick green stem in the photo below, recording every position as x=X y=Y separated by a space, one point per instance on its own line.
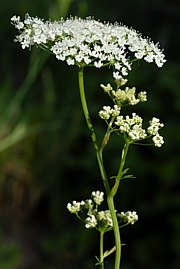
x=98 y=150
x=117 y=235
x=101 y=244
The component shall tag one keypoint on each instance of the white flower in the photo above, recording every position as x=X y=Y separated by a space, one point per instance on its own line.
x=98 y=197
x=154 y=127
x=105 y=113
x=142 y=96
x=108 y=218
x=158 y=140
x=124 y=71
x=75 y=207
x=91 y=222
x=16 y=21
x=105 y=217
x=115 y=111
x=98 y=64
x=117 y=75
x=106 y=88
x=93 y=42
x=131 y=126
x=119 y=95
x=70 y=61
x=108 y=111
x=129 y=217
x=117 y=66
x=129 y=95
x=88 y=204
x=137 y=133
x=139 y=55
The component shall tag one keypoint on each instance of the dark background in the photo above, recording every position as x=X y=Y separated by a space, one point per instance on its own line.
x=47 y=159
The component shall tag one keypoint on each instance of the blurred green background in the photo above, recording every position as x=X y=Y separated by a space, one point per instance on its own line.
x=46 y=157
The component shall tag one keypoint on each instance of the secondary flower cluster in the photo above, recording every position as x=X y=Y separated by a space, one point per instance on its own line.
x=129 y=217
x=88 y=42
x=88 y=212
x=130 y=127
x=127 y=96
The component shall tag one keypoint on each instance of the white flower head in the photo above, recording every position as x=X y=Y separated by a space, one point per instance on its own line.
x=129 y=96
x=115 y=111
x=132 y=126
x=98 y=197
x=129 y=217
x=105 y=113
x=16 y=21
x=91 y=221
x=88 y=204
x=117 y=76
x=75 y=207
x=158 y=140
x=106 y=88
x=88 y=42
x=154 y=127
x=142 y=96
x=104 y=217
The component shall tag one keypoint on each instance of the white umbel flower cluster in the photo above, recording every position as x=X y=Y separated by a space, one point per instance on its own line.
x=75 y=207
x=132 y=127
x=158 y=140
x=107 y=112
x=105 y=217
x=129 y=217
x=88 y=42
x=98 y=197
x=88 y=211
x=125 y=97
x=99 y=220
x=154 y=127
x=91 y=221
x=128 y=95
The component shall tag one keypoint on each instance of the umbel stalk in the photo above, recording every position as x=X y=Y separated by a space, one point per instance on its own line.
x=110 y=195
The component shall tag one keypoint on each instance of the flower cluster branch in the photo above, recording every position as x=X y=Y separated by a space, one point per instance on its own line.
x=88 y=211
x=131 y=127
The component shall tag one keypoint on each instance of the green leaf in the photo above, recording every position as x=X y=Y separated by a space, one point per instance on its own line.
x=98 y=263
x=109 y=252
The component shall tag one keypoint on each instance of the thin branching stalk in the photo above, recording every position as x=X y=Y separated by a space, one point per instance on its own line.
x=110 y=198
x=121 y=167
x=92 y=132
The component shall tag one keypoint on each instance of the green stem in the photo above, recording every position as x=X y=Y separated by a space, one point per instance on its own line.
x=110 y=200
x=119 y=174
x=107 y=135
x=90 y=126
x=116 y=232
x=123 y=158
x=101 y=243
x=85 y=108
